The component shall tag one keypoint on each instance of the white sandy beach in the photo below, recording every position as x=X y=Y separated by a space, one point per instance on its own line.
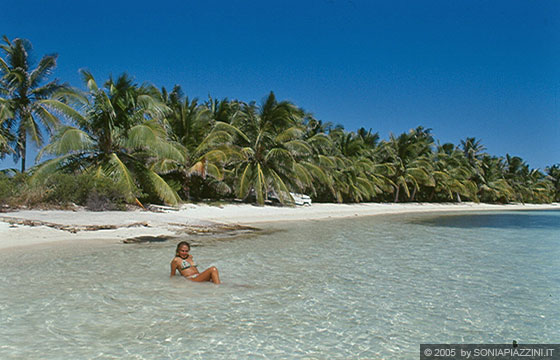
x=55 y=226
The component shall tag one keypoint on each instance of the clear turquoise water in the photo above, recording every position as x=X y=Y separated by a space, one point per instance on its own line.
x=357 y=288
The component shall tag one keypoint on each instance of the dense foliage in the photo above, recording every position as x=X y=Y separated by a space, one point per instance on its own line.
x=123 y=142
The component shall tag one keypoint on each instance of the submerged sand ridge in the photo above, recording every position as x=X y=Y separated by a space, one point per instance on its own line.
x=29 y=227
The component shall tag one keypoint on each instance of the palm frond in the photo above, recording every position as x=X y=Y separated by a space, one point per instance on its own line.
x=47 y=168
x=260 y=184
x=214 y=171
x=298 y=147
x=64 y=109
x=162 y=189
x=280 y=186
x=291 y=133
x=29 y=127
x=279 y=154
x=43 y=70
x=302 y=175
x=217 y=155
x=47 y=118
x=117 y=170
x=4 y=68
x=89 y=80
x=164 y=166
x=68 y=140
x=326 y=161
x=219 y=125
x=150 y=105
x=151 y=137
x=70 y=96
x=245 y=182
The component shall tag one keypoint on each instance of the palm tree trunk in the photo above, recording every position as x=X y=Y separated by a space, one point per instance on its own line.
x=413 y=194
x=397 y=194
x=432 y=194
x=23 y=142
x=458 y=198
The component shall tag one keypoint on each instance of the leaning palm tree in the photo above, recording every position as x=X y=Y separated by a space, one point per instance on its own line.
x=541 y=188
x=356 y=175
x=452 y=172
x=121 y=137
x=28 y=101
x=190 y=124
x=409 y=155
x=517 y=172
x=316 y=165
x=265 y=143
x=528 y=185
x=493 y=186
x=355 y=180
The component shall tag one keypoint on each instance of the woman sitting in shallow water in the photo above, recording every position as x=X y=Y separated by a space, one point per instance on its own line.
x=183 y=262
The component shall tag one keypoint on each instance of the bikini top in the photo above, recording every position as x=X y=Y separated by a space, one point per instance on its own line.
x=185 y=265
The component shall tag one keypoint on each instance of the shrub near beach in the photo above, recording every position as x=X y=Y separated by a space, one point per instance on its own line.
x=8 y=189
x=61 y=191
x=84 y=189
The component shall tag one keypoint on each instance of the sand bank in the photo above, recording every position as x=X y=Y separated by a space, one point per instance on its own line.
x=29 y=227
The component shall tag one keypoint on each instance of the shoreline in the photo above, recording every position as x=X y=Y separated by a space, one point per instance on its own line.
x=57 y=227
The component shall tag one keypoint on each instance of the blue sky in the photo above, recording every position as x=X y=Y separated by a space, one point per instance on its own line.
x=484 y=69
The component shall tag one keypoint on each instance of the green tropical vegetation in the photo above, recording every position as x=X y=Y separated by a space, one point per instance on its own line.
x=120 y=137
x=25 y=101
x=118 y=142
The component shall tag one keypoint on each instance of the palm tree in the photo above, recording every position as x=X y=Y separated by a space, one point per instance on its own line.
x=493 y=187
x=473 y=149
x=315 y=165
x=356 y=176
x=369 y=139
x=541 y=188
x=553 y=175
x=516 y=172
x=409 y=155
x=265 y=143
x=25 y=103
x=314 y=126
x=190 y=124
x=121 y=137
x=355 y=180
x=528 y=185
x=451 y=172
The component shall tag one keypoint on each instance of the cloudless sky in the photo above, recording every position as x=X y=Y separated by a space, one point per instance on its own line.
x=465 y=68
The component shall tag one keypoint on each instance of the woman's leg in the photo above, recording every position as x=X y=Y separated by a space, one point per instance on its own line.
x=210 y=274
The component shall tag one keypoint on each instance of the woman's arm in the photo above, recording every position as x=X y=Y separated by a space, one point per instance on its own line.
x=173 y=268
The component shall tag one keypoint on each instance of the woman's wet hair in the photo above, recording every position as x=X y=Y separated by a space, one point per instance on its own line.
x=179 y=246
